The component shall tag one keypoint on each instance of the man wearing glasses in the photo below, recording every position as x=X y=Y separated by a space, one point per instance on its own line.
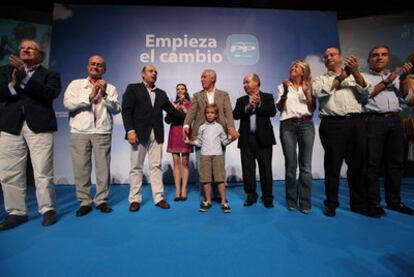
x=27 y=123
x=91 y=102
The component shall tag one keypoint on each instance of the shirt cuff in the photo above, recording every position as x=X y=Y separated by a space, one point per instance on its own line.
x=25 y=81
x=408 y=97
x=12 y=90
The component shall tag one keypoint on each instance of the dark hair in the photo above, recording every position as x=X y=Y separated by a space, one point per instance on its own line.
x=377 y=47
x=186 y=95
x=212 y=106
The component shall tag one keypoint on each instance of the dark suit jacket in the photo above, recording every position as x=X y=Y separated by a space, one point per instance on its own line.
x=139 y=115
x=264 y=128
x=34 y=103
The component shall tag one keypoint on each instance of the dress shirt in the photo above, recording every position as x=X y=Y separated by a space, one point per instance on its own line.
x=342 y=101
x=210 y=138
x=295 y=105
x=387 y=100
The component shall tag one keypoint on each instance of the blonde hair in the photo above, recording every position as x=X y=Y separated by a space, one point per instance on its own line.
x=306 y=69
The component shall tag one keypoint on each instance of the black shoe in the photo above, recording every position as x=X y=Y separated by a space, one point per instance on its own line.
x=226 y=208
x=367 y=211
x=401 y=208
x=329 y=211
x=204 y=206
x=12 y=221
x=380 y=211
x=268 y=204
x=83 y=210
x=291 y=208
x=176 y=199
x=49 y=218
x=104 y=208
x=249 y=202
x=183 y=198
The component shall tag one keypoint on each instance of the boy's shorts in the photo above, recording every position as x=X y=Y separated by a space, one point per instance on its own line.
x=212 y=166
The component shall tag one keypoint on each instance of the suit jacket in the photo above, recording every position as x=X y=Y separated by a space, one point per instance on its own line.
x=34 y=103
x=138 y=113
x=196 y=114
x=264 y=128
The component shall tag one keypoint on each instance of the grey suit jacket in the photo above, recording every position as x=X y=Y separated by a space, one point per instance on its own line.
x=196 y=114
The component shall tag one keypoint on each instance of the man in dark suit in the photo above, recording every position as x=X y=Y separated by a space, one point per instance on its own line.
x=256 y=139
x=142 y=106
x=27 y=123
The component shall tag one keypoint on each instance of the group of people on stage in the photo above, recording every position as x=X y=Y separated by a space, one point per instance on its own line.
x=360 y=124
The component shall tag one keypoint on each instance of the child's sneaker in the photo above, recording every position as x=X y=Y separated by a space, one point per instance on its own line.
x=226 y=208
x=204 y=206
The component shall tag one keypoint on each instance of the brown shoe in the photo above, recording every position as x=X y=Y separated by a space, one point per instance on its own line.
x=163 y=204
x=134 y=207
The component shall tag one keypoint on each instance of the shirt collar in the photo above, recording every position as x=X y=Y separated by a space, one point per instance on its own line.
x=331 y=73
x=373 y=72
x=31 y=69
x=148 y=88
x=210 y=92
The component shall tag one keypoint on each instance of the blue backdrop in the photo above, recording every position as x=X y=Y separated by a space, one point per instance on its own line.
x=181 y=42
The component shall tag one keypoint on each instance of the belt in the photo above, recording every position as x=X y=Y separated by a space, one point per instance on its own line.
x=387 y=114
x=299 y=119
x=343 y=117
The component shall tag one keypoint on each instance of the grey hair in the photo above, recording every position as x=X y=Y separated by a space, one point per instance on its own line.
x=256 y=78
x=212 y=73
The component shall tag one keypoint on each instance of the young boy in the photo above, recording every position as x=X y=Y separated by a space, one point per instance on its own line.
x=210 y=138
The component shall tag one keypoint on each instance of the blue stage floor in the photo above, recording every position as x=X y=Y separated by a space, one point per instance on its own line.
x=184 y=242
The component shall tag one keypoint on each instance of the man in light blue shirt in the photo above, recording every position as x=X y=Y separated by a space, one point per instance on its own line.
x=385 y=134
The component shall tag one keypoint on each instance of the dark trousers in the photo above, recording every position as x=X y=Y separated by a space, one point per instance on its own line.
x=343 y=139
x=385 y=145
x=249 y=154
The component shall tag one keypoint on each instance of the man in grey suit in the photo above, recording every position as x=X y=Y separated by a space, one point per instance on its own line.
x=196 y=116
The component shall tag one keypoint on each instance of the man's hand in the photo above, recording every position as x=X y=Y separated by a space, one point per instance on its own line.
x=101 y=87
x=404 y=70
x=18 y=64
x=256 y=99
x=188 y=141
x=132 y=138
x=94 y=95
x=352 y=65
x=13 y=81
x=232 y=133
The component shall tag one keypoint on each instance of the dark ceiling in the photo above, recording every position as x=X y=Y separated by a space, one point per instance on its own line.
x=42 y=10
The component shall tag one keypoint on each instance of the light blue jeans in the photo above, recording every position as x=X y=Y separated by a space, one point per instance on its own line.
x=292 y=135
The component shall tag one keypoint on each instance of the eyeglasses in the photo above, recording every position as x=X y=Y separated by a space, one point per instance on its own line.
x=96 y=64
x=28 y=49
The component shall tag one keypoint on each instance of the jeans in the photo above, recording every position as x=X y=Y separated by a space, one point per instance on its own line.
x=292 y=135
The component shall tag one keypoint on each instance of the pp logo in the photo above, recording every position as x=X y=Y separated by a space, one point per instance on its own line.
x=242 y=49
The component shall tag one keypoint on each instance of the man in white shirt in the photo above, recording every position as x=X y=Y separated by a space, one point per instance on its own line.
x=92 y=102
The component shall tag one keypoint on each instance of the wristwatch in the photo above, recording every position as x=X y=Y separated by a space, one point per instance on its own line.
x=339 y=79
